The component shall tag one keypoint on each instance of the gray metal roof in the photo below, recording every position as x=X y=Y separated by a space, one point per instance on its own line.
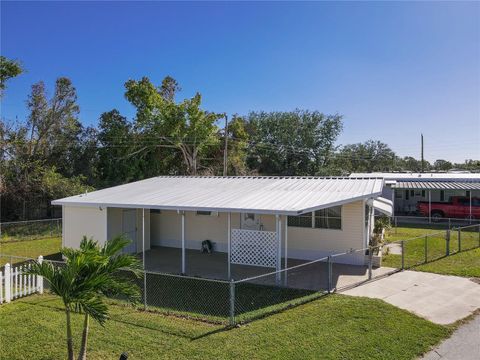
x=267 y=195
x=438 y=185
x=404 y=176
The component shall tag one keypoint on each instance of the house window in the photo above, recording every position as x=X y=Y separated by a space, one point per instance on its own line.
x=467 y=193
x=206 y=213
x=304 y=220
x=423 y=193
x=155 y=211
x=442 y=195
x=407 y=194
x=330 y=218
x=398 y=194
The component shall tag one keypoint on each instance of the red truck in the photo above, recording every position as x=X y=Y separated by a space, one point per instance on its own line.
x=458 y=207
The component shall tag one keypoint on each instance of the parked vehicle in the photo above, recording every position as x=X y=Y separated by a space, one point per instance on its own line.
x=458 y=207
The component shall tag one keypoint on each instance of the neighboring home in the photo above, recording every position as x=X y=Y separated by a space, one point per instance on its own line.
x=407 y=189
x=257 y=221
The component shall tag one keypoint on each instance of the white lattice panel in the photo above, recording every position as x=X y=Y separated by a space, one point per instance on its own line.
x=254 y=247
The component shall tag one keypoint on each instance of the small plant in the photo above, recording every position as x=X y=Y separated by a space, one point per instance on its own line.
x=381 y=223
x=89 y=275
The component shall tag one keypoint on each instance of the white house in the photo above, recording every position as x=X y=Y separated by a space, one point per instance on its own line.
x=257 y=221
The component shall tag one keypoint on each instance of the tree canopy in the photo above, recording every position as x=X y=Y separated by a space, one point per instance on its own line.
x=8 y=69
x=50 y=154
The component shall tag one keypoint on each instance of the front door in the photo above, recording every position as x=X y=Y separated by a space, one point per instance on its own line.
x=250 y=221
x=129 y=229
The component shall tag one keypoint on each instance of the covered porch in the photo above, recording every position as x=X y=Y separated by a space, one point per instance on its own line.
x=311 y=276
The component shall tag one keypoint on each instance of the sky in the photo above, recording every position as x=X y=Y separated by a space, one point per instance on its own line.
x=393 y=70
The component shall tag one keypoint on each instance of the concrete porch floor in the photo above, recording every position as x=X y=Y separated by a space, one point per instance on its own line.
x=214 y=266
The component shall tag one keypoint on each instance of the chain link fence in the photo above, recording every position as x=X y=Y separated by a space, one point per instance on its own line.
x=442 y=223
x=408 y=253
x=30 y=230
x=244 y=300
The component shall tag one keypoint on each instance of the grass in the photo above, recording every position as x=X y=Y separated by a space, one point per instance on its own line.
x=466 y=263
x=29 y=248
x=463 y=263
x=332 y=327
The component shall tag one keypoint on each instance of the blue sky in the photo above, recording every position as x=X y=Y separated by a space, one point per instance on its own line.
x=393 y=70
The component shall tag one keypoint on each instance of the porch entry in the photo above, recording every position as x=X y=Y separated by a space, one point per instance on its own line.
x=129 y=229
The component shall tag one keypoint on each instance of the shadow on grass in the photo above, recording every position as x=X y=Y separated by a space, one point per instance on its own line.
x=51 y=305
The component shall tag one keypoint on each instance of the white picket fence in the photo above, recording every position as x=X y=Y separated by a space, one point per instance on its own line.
x=16 y=283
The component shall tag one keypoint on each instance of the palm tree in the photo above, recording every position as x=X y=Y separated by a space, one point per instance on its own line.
x=88 y=276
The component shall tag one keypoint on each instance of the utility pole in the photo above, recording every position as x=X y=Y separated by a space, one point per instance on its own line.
x=422 y=154
x=225 y=150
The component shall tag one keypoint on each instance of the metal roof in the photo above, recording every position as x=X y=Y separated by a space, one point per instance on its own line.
x=420 y=176
x=267 y=195
x=438 y=185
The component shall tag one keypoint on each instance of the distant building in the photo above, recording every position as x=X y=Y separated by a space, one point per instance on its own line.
x=407 y=189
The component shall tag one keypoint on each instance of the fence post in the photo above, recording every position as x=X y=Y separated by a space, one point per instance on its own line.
x=426 y=249
x=459 y=239
x=144 y=290
x=329 y=274
x=403 y=254
x=232 y=303
x=8 y=285
x=1 y=288
x=449 y=225
x=370 y=262
x=40 y=278
x=447 y=243
x=479 y=235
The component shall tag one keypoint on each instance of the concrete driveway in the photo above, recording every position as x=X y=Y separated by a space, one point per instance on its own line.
x=441 y=299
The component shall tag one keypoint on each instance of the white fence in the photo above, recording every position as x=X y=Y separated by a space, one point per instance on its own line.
x=15 y=282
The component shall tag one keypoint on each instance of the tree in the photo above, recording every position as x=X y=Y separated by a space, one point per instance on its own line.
x=299 y=142
x=89 y=275
x=53 y=124
x=8 y=69
x=370 y=156
x=162 y=122
x=442 y=165
x=238 y=142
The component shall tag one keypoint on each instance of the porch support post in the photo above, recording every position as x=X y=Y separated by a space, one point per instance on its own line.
x=286 y=248
x=183 y=242
x=229 y=240
x=278 y=224
x=143 y=238
x=143 y=258
x=429 y=206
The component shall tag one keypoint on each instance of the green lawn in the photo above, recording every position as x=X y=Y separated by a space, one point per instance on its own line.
x=29 y=248
x=332 y=327
x=465 y=263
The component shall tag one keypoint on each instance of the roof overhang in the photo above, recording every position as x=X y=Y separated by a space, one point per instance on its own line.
x=382 y=205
